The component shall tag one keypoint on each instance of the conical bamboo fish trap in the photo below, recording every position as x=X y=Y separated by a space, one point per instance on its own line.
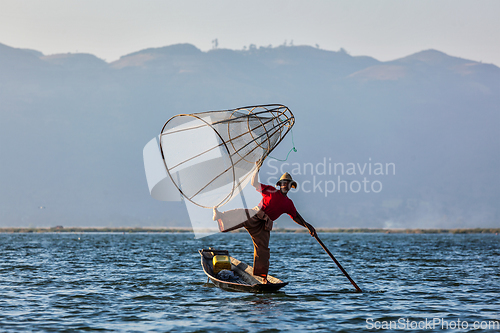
x=210 y=156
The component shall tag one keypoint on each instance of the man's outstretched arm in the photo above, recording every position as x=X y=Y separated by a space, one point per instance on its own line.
x=255 y=178
x=299 y=220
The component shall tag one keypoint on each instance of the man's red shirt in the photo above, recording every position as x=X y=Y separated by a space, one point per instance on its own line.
x=274 y=203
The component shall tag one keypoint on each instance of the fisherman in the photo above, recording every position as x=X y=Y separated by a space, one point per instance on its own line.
x=259 y=220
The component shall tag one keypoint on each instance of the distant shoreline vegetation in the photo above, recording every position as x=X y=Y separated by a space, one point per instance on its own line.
x=60 y=229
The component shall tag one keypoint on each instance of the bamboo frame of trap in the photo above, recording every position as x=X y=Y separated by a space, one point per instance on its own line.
x=276 y=112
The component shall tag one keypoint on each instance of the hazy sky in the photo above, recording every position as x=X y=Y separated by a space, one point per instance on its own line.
x=384 y=29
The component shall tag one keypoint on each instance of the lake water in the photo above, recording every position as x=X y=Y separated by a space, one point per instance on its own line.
x=154 y=282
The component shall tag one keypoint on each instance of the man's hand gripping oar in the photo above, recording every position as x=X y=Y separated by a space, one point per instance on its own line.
x=313 y=233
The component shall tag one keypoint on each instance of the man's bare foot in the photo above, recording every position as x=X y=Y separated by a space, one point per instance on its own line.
x=216 y=214
x=221 y=226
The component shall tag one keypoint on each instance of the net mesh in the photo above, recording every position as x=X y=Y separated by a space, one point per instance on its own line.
x=210 y=156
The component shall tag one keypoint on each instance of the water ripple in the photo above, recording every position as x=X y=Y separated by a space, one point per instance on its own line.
x=154 y=282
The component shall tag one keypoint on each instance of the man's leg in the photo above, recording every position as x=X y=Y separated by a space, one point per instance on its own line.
x=254 y=221
x=260 y=239
x=232 y=219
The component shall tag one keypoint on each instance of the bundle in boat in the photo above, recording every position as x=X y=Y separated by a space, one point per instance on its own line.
x=210 y=156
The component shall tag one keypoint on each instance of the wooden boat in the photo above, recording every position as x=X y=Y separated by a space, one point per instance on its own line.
x=245 y=281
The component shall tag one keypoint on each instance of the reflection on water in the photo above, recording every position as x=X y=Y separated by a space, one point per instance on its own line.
x=154 y=282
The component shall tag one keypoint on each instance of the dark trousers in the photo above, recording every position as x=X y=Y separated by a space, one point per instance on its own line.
x=259 y=226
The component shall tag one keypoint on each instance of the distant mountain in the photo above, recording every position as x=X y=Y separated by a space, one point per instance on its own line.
x=18 y=58
x=73 y=127
x=76 y=61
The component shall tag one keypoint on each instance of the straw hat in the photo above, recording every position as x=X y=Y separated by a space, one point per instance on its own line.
x=287 y=176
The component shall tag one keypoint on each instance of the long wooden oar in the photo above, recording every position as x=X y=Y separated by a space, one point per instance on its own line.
x=338 y=264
